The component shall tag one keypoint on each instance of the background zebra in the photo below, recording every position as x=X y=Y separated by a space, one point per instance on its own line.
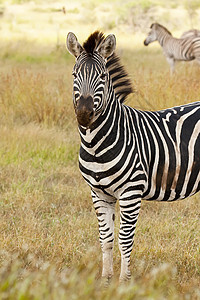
x=190 y=34
x=174 y=49
x=127 y=154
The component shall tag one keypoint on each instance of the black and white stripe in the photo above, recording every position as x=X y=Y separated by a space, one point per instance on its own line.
x=183 y=49
x=130 y=155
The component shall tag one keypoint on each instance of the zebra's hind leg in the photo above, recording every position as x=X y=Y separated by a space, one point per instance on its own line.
x=129 y=211
x=105 y=211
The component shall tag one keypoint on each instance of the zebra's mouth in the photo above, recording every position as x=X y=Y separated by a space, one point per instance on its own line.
x=85 y=118
x=85 y=111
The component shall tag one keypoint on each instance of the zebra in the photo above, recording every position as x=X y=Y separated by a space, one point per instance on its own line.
x=190 y=34
x=174 y=49
x=127 y=155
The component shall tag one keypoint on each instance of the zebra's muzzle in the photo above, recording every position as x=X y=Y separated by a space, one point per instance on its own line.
x=146 y=43
x=85 y=111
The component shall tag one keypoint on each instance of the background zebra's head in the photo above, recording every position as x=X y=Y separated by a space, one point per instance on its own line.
x=91 y=76
x=156 y=30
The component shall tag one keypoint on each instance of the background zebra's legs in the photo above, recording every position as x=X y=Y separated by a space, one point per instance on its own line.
x=129 y=211
x=105 y=211
x=198 y=59
x=171 y=62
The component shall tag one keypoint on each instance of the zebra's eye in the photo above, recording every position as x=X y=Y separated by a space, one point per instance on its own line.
x=103 y=76
x=74 y=74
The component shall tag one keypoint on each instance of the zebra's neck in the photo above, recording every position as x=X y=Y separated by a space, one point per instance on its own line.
x=163 y=36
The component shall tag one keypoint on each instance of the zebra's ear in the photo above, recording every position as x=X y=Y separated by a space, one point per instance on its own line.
x=73 y=45
x=107 y=47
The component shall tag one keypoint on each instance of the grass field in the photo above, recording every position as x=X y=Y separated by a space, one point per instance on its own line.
x=49 y=246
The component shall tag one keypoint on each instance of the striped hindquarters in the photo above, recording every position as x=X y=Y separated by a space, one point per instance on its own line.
x=172 y=155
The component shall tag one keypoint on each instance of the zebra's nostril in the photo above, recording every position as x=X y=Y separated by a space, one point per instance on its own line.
x=91 y=115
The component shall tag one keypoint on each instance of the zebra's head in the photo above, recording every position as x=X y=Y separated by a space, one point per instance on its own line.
x=152 y=36
x=156 y=30
x=91 y=75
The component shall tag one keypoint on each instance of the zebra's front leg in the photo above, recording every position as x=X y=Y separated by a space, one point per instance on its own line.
x=129 y=211
x=105 y=211
x=171 y=62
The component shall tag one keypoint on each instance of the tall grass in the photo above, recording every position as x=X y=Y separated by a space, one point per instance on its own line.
x=35 y=96
x=81 y=283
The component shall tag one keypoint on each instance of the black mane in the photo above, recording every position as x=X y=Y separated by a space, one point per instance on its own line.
x=93 y=41
x=163 y=27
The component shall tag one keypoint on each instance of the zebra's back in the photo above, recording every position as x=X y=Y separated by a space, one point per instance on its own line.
x=190 y=34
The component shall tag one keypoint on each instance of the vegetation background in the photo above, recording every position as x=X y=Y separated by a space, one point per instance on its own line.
x=49 y=246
